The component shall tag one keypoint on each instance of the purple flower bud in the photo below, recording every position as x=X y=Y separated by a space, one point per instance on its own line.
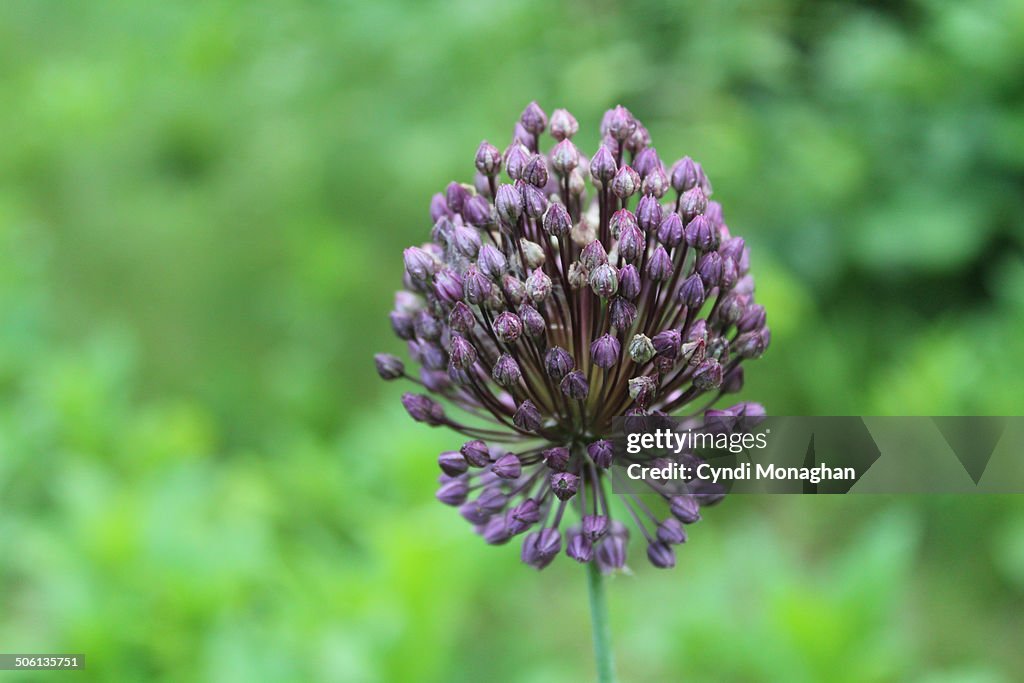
x=488 y=159
x=477 y=211
x=684 y=175
x=474 y=514
x=601 y=453
x=632 y=243
x=426 y=326
x=557 y=458
x=423 y=408
x=538 y=286
x=516 y=158
x=626 y=182
x=506 y=371
x=388 y=366
x=536 y=171
x=670 y=232
x=513 y=288
x=419 y=264
x=461 y=318
x=710 y=269
x=476 y=286
x=508 y=327
x=730 y=308
x=492 y=500
x=564 y=485
x=708 y=375
x=540 y=547
x=611 y=554
x=667 y=342
x=700 y=234
x=693 y=203
x=491 y=262
x=496 y=531
x=534 y=201
x=619 y=123
x=655 y=183
x=621 y=313
x=602 y=165
x=556 y=221
x=452 y=463
x=579 y=548
x=507 y=466
x=476 y=453
x=534 y=119
x=438 y=207
x=646 y=161
x=461 y=352
x=593 y=255
x=442 y=231
x=730 y=274
x=604 y=280
x=691 y=293
x=448 y=286
x=565 y=157
x=753 y=319
x=557 y=362
x=509 y=205
x=629 y=281
x=648 y=213
x=671 y=532
x=455 y=197
x=453 y=492
x=575 y=386
x=402 y=325
x=533 y=322
x=661 y=555
x=685 y=508
x=659 y=267
x=523 y=516
x=733 y=381
x=752 y=344
x=642 y=389
x=527 y=417
x=465 y=240
x=563 y=125
x=604 y=351
x=524 y=137
x=732 y=248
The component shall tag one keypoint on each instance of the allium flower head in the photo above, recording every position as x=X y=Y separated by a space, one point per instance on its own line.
x=573 y=289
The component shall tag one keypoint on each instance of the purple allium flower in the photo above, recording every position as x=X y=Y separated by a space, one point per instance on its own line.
x=543 y=310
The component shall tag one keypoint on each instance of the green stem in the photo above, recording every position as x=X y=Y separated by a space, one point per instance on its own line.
x=599 y=620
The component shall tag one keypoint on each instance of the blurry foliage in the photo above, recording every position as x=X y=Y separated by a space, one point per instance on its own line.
x=201 y=210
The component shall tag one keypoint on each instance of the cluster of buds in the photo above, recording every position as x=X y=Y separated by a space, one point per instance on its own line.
x=541 y=310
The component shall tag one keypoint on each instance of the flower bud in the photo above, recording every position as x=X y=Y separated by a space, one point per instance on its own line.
x=626 y=182
x=619 y=123
x=522 y=516
x=456 y=196
x=604 y=280
x=752 y=344
x=402 y=325
x=584 y=232
x=661 y=555
x=671 y=532
x=604 y=351
x=439 y=207
x=646 y=161
x=621 y=313
x=508 y=327
x=448 y=286
x=538 y=286
x=648 y=213
x=476 y=453
x=578 y=276
x=426 y=326
x=533 y=253
x=491 y=261
x=700 y=234
x=601 y=453
x=388 y=366
x=577 y=184
x=540 y=547
x=691 y=292
x=564 y=485
x=579 y=548
x=557 y=458
x=563 y=125
x=602 y=165
x=642 y=389
x=685 y=508
x=465 y=240
x=509 y=205
x=478 y=211
x=516 y=158
x=575 y=386
x=534 y=201
x=556 y=221
x=452 y=463
x=453 y=492
x=488 y=159
x=534 y=119
x=476 y=287
x=474 y=514
x=423 y=408
x=641 y=349
x=753 y=319
x=632 y=243
x=710 y=269
x=496 y=532
x=557 y=362
x=659 y=267
x=419 y=264
x=684 y=175
x=708 y=375
x=527 y=417
x=461 y=352
x=507 y=466
x=461 y=318
x=513 y=288
x=693 y=203
x=655 y=183
x=730 y=274
x=506 y=371
x=629 y=281
x=565 y=158
x=533 y=322
x=733 y=381
x=593 y=255
x=611 y=554
x=670 y=232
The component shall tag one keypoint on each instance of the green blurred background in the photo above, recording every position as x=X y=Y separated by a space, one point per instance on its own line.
x=202 y=206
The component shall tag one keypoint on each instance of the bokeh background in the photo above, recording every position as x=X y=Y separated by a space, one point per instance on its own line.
x=202 y=207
